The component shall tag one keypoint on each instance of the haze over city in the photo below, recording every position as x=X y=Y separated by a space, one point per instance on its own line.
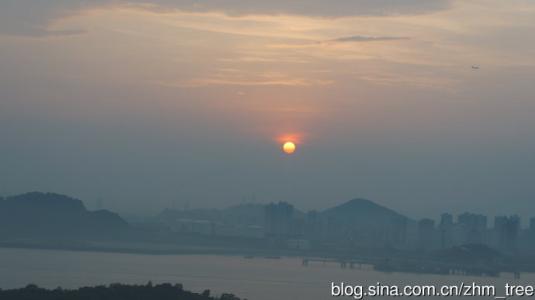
x=423 y=107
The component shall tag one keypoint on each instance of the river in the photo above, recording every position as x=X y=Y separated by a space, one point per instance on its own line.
x=254 y=279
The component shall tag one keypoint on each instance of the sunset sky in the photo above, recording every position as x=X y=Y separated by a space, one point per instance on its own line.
x=424 y=106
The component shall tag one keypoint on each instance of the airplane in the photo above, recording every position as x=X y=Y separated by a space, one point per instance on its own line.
x=475 y=67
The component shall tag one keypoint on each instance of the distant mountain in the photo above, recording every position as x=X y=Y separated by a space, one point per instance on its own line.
x=357 y=210
x=365 y=223
x=51 y=215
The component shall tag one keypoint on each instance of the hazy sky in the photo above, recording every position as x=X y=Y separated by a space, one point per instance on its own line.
x=148 y=104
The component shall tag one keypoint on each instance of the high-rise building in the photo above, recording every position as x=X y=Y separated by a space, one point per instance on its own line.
x=446 y=230
x=506 y=230
x=279 y=219
x=473 y=228
x=426 y=234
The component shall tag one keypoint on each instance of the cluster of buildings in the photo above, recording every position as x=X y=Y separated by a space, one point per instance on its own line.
x=336 y=230
x=363 y=225
x=505 y=234
x=215 y=228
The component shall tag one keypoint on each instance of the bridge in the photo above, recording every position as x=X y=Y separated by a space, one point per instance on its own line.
x=413 y=265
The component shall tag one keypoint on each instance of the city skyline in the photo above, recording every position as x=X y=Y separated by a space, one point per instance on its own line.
x=423 y=107
x=267 y=149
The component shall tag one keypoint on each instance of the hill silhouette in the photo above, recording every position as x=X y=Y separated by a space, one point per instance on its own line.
x=53 y=215
x=365 y=222
x=358 y=210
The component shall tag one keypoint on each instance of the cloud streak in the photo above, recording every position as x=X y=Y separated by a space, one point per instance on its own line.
x=318 y=8
x=360 y=38
x=32 y=18
x=219 y=81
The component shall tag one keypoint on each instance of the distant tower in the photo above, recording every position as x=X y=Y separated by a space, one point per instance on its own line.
x=446 y=220
x=446 y=230
x=474 y=227
x=531 y=230
x=279 y=219
x=507 y=230
x=426 y=229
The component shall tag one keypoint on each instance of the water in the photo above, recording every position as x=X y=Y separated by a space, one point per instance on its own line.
x=255 y=279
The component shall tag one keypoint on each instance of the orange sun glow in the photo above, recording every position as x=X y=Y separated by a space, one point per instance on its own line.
x=288 y=147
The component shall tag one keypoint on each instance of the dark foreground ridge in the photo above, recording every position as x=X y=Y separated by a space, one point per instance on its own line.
x=164 y=291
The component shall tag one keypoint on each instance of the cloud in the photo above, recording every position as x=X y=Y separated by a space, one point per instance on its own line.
x=320 y=8
x=290 y=82
x=360 y=38
x=234 y=77
x=33 y=18
x=347 y=39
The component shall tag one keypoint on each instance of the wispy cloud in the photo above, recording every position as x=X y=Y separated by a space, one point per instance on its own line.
x=318 y=8
x=27 y=17
x=203 y=82
x=300 y=43
x=361 y=38
x=238 y=78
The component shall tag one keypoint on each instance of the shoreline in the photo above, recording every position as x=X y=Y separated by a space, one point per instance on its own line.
x=378 y=266
x=157 y=252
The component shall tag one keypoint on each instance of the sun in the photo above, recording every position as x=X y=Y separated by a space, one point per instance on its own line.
x=288 y=147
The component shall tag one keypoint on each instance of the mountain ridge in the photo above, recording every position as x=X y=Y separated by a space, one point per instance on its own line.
x=363 y=207
x=38 y=214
